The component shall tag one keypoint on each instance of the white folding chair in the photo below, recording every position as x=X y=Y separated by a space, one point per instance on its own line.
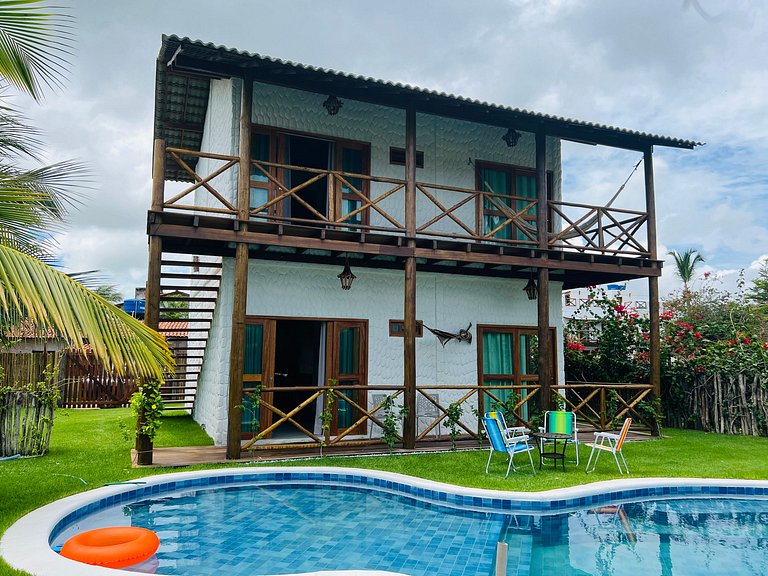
x=610 y=442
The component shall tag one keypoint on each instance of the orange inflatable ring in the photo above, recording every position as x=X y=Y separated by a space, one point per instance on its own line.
x=116 y=547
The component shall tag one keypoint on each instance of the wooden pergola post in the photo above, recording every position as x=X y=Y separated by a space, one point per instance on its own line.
x=653 y=281
x=152 y=296
x=240 y=284
x=542 y=227
x=409 y=304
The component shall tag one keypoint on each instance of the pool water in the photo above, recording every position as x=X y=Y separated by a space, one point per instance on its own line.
x=301 y=527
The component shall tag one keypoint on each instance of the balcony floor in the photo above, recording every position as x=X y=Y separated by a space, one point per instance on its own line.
x=210 y=235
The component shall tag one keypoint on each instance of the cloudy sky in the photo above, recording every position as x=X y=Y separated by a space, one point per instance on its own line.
x=693 y=69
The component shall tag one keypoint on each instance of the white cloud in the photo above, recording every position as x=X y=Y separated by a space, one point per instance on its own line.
x=659 y=66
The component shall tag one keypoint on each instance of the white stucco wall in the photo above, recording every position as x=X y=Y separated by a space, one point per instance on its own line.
x=447 y=302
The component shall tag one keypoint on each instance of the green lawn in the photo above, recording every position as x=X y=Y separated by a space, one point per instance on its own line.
x=91 y=447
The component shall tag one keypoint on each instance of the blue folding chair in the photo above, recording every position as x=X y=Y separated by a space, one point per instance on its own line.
x=506 y=431
x=509 y=445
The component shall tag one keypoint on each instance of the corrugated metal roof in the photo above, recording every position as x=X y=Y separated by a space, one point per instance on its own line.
x=185 y=65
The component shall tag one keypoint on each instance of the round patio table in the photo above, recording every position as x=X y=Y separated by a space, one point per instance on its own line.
x=553 y=455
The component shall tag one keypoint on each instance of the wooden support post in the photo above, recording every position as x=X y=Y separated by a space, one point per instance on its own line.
x=158 y=176
x=409 y=305
x=237 y=352
x=244 y=174
x=653 y=281
x=143 y=444
x=240 y=285
x=542 y=228
x=545 y=352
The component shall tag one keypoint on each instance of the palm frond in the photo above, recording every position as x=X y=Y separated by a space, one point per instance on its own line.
x=34 y=203
x=34 y=45
x=685 y=263
x=49 y=298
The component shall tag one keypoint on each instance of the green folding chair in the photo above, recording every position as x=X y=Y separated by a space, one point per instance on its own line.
x=561 y=422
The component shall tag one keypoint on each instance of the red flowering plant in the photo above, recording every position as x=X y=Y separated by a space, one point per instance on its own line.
x=606 y=341
x=714 y=331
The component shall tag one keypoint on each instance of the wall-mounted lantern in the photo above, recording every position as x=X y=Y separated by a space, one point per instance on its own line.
x=530 y=289
x=346 y=277
x=511 y=137
x=332 y=105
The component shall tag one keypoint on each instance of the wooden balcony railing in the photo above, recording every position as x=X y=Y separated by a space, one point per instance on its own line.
x=603 y=404
x=599 y=405
x=362 y=202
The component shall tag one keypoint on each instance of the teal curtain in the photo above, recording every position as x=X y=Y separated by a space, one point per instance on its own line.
x=259 y=152
x=497 y=359
x=349 y=364
x=352 y=161
x=254 y=334
x=525 y=187
x=498 y=182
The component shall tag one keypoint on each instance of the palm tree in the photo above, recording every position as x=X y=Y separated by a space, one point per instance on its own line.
x=33 y=48
x=686 y=265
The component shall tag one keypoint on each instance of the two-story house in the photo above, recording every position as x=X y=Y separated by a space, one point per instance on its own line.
x=346 y=239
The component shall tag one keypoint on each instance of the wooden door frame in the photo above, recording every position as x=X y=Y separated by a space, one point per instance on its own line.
x=269 y=341
x=332 y=364
x=511 y=329
x=267 y=376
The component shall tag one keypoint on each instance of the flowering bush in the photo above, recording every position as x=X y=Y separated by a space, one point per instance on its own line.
x=703 y=333
x=619 y=352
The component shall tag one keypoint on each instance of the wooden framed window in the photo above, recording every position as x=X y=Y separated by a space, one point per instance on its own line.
x=397 y=328
x=510 y=189
x=315 y=152
x=352 y=158
x=397 y=157
x=263 y=149
x=507 y=359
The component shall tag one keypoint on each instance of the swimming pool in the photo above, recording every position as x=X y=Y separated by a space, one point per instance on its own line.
x=285 y=521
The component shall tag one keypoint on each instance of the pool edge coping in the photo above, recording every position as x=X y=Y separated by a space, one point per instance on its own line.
x=24 y=545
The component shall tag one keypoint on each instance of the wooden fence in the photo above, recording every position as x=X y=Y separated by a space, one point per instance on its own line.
x=735 y=404
x=83 y=382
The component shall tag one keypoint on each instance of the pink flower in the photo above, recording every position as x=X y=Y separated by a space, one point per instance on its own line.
x=667 y=315
x=696 y=335
x=746 y=340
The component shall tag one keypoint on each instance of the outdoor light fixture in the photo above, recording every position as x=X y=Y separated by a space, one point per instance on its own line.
x=511 y=137
x=530 y=289
x=346 y=276
x=332 y=105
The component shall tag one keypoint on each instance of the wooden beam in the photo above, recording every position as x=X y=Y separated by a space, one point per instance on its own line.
x=240 y=284
x=542 y=206
x=653 y=282
x=143 y=444
x=542 y=227
x=244 y=174
x=237 y=352
x=409 y=301
x=546 y=378
x=158 y=176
